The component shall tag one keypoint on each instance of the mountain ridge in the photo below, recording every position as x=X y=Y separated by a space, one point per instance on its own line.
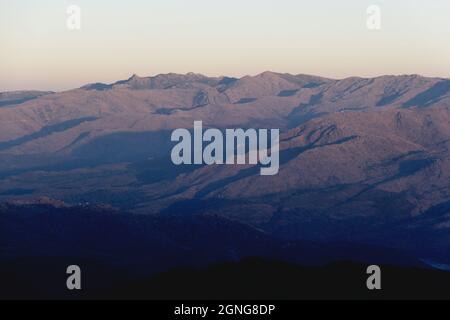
x=362 y=159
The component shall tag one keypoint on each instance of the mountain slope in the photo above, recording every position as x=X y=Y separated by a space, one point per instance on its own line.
x=363 y=160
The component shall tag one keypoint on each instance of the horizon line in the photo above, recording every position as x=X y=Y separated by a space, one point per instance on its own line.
x=226 y=76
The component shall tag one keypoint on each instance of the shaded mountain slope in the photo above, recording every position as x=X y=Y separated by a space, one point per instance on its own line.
x=363 y=160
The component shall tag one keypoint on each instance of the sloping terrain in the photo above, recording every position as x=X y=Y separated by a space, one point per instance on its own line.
x=118 y=251
x=362 y=160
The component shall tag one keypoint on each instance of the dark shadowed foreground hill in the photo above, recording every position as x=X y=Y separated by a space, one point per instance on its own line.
x=117 y=250
x=269 y=280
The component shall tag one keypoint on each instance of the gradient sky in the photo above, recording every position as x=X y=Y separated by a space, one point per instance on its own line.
x=233 y=37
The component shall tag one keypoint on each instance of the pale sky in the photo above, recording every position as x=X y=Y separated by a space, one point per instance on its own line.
x=233 y=37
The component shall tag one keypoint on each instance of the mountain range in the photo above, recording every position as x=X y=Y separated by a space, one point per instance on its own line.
x=362 y=160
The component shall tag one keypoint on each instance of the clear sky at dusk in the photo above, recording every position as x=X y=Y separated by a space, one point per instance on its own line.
x=233 y=37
